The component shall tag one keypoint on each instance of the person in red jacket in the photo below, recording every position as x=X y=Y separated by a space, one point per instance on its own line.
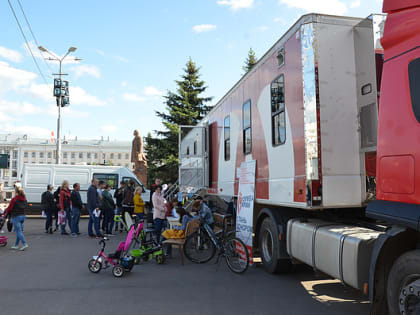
x=17 y=208
x=65 y=205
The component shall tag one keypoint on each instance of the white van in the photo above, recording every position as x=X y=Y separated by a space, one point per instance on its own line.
x=36 y=177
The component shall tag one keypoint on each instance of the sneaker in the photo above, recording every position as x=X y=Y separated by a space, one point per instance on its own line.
x=73 y=235
x=92 y=236
x=24 y=247
x=78 y=233
x=64 y=233
x=14 y=247
x=46 y=231
x=99 y=236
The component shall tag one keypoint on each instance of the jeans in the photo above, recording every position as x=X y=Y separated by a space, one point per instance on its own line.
x=75 y=216
x=18 y=226
x=49 y=220
x=140 y=216
x=95 y=221
x=158 y=228
x=108 y=221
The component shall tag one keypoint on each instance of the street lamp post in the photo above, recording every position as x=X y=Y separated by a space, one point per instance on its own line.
x=59 y=98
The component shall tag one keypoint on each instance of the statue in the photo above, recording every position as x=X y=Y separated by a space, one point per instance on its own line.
x=139 y=158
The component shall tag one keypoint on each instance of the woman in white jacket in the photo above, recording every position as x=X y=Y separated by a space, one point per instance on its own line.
x=159 y=211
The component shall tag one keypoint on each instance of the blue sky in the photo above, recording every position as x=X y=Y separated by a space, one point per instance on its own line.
x=132 y=52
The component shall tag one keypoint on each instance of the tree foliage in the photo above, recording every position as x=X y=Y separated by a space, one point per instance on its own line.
x=185 y=106
x=250 y=60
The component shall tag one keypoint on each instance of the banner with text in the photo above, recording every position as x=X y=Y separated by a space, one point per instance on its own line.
x=245 y=206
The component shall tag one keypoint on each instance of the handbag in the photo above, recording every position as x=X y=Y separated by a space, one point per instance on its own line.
x=9 y=225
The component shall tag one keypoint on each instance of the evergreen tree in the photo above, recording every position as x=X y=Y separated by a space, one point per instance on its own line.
x=186 y=106
x=250 y=60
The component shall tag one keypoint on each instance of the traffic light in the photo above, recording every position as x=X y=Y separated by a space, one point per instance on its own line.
x=61 y=89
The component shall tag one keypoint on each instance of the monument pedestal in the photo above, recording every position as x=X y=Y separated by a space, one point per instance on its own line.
x=140 y=170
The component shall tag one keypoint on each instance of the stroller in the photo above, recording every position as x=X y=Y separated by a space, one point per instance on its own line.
x=3 y=239
x=147 y=247
x=120 y=260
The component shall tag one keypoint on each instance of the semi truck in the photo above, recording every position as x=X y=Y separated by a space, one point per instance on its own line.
x=331 y=115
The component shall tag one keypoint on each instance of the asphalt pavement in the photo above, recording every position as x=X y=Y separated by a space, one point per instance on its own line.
x=52 y=277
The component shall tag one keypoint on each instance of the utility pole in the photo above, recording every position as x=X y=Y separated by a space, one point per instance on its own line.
x=61 y=93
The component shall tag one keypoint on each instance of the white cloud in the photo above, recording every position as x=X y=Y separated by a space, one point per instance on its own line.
x=13 y=78
x=263 y=28
x=355 y=4
x=79 y=96
x=10 y=54
x=121 y=59
x=124 y=83
x=41 y=91
x=131 y=97
x=336 y=7
x=109 y=128
x=86 y=69
x=203 y=28
x=236 y=4
x=152 y=91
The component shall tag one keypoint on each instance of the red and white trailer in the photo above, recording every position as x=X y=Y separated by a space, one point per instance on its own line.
x=307 y=113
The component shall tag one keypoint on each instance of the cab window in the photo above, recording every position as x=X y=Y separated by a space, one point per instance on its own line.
x=110 y=179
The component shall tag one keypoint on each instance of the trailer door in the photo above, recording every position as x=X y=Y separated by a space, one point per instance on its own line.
x=193 y=157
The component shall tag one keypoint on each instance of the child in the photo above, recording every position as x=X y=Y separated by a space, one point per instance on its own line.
x=138 y=204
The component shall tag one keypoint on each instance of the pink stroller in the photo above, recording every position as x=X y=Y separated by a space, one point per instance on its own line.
x=3 y=239
x=120 y=261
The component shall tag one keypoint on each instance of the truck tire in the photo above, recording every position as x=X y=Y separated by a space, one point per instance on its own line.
x=269 y=246
x=403 y=290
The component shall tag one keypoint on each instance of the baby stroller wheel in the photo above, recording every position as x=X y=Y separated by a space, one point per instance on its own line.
x=160 y=259
x=118 y=271
x=94 y=266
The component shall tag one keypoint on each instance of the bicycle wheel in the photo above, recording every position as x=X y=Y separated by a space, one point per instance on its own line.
x=199 y=248
x=236 y=255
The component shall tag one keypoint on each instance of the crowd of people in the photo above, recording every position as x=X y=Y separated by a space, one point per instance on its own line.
x=62 y=209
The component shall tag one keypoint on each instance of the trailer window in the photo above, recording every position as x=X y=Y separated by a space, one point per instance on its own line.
x=278 y=115
x=226 y=128
x=110 y=179
x=247 y=134
x=414 y=78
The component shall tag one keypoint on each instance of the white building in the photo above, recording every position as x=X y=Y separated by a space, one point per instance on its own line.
x=23 y=149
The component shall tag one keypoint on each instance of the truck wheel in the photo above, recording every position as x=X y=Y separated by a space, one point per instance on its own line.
x=269 y=245
x=404 y=285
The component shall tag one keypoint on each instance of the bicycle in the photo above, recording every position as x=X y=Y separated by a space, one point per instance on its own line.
x=200 y=247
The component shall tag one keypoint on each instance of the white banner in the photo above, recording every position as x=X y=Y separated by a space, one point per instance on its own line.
x=245 y=206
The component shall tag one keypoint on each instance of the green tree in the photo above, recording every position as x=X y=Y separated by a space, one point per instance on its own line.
x=185 y=106
x=250 y=60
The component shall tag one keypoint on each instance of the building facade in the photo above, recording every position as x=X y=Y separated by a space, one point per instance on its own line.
x=23 y=149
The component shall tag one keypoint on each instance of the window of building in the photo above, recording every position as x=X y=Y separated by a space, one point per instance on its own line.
x=414 y=79
x=96 y=155
x=112 y=156
x=126 y=156
x=25 y=154
x=188 y=150
x=73 y=155
x=278 y=115
x=33 y=154
x=41 y=155
x=65 y=155
x=280 y=57
x=104 y=156
x=72 y=163
x=49 y=155
x=80 y=155
x=226 y=131
x=15 y=154
x=89 y=155
x=14 y=164
x=126 y=165
x=246 y=122
x=195 y=147
x=119 y=156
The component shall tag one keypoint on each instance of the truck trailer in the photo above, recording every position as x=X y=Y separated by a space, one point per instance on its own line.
x=331 y=116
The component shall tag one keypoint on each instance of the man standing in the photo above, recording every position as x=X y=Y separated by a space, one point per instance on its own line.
x=76 y=207
x=119 y=196
x=92 y=205
x=108 y=207
x=48 y=205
